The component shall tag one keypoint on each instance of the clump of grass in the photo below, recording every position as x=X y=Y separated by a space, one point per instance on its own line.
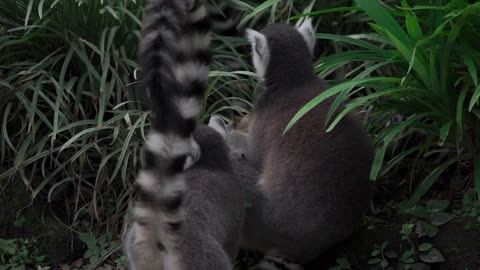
x=434 y=59
x=71 y=121
x=73 y=124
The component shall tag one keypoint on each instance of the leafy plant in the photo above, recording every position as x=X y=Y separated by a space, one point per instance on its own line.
x=98 y=250
x=19 y=254
x=433 y=211
x=424 y=252
x=433 y=59
x=471 y=207
x=71 y=126
x=380 y=257
x=342 y=263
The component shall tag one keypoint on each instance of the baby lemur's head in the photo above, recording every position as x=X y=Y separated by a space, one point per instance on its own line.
x=281 y=49
x=214 y=150
x=236 y=140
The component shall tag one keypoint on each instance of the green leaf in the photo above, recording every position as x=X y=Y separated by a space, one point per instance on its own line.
x=441 y=218
x=265 y=5
x=476 y=174
x=325 y=11
x=343 y=262
x=427 y=183
x=381 y=16
x=417 y=211
x=391 y=254
x=333 y=91
x=432 y=230
x=444 y=131
x=412 y=24
x=437 y=205
x=407 y=229
x=432 y=256
x=474 y=100
x=407 y=254
x=425 y=246
x=29 y=11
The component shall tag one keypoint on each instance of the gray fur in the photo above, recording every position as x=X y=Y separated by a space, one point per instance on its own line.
x=314 y=187
x=210 y=232
x=189 y=213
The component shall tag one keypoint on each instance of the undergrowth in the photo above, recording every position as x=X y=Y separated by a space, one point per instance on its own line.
x=73 y=125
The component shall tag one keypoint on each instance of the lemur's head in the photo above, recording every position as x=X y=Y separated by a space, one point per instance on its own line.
x=280 y=46
x=213 y=148
x=236 y=140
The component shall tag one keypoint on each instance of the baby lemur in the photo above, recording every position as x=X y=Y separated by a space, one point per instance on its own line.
x=189 y=211
x=313 y=188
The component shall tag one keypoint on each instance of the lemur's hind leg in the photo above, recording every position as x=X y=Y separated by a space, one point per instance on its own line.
x=142 y=250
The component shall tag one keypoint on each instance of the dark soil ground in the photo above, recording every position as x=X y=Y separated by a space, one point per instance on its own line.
x=459 y=246
x=458 y=241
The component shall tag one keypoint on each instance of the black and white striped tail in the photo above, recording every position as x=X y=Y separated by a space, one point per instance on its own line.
x=174 y=59
x=224 y=19
x=276 y=263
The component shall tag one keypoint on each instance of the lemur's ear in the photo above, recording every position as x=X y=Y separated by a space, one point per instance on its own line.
x=260 y=51
x=217 y=123
x=308 y=33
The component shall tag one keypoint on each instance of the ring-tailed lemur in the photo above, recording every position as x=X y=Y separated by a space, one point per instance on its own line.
x=313 y=188
x=189 y=214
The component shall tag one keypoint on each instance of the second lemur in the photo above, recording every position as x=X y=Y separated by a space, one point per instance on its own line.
x=313 y=186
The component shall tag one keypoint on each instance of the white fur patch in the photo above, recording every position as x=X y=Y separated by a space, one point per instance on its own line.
x=172 y=261
x=161 y=187
x=308 y=34
x=189 y=107
x=260 y=51
x=261 y=182
x=216 y=122
x=169 y=145
x=147 y=180
x=191 y=71
x=142 y=252
x=193 y=42
x=269 y=263
x=172 y=186
x=198 y=14
x=144 y=213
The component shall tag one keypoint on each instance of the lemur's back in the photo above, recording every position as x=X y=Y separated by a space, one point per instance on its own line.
x=213 y=205
x=315 y=184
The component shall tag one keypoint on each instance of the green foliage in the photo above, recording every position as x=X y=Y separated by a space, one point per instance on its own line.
x=434 y=211
x=380 y=257
x=342 y=263
x=70 y=122
x=432 y=54
x=19 y=254
x=72 y=127
x=99 y=250
x=471 y=208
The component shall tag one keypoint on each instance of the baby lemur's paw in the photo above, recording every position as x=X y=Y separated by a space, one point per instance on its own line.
x=276 y=263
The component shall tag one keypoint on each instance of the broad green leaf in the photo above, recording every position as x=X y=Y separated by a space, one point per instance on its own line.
x=432 y=256
x=333 y=91
x=265 y=5
x=436 y=205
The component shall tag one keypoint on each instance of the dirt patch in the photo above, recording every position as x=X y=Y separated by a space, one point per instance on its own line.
x=459 y=246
